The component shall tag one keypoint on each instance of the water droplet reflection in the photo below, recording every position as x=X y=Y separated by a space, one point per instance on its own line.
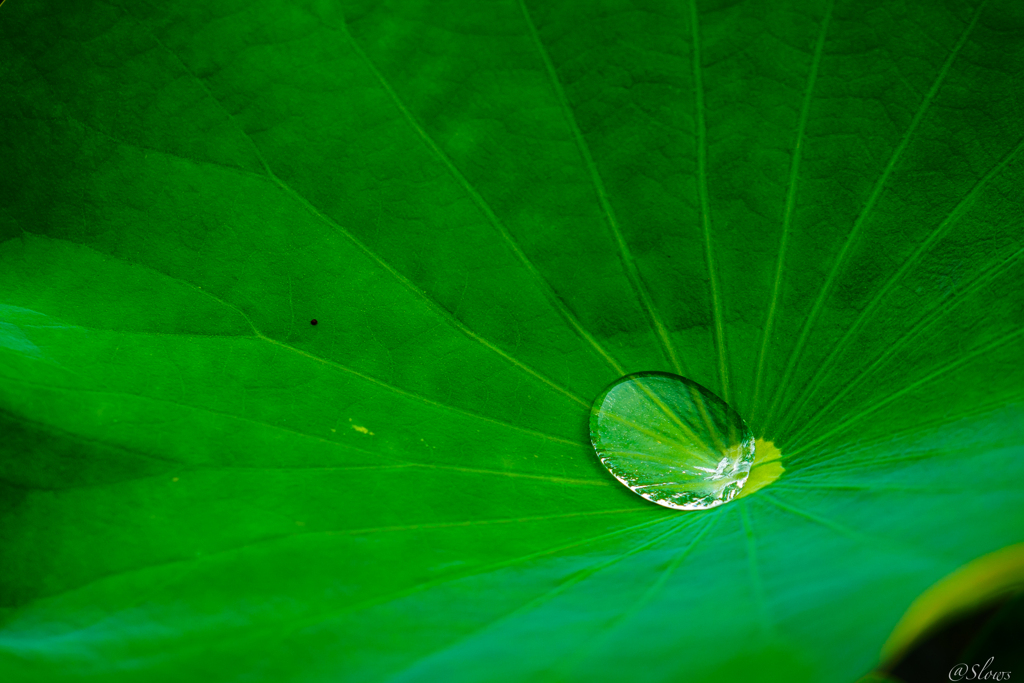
x=671 y=441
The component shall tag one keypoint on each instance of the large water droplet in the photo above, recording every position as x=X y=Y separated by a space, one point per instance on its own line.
x=671 y=441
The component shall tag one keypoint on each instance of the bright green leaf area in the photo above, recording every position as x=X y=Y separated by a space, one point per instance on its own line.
x=495 y=209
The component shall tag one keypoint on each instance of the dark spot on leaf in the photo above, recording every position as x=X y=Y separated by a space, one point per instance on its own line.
x=313 y=321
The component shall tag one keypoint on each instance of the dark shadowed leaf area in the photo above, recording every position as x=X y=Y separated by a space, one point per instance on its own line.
x=493 y=210
x=986 y=640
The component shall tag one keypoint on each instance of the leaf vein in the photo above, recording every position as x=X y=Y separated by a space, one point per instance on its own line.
x=626 y=257
x=940 y=310
x=705 y=201
x=872 y=199
x=940 y=230
x=429 y=301
x=787 y=216
x=556 y=301
x=878 y=405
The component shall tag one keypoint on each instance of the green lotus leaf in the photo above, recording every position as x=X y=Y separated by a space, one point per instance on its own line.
x=493 y=210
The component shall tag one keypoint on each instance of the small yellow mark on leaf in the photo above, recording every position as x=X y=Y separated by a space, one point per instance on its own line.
x=362 y=430
x=175 y=479
x=767 y=467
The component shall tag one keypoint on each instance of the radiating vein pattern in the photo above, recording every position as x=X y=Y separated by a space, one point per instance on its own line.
x=705 y=209
x=791 y=190
x=946 y=306
x=553 y=296
x=493 y=210
x=876 y=191
x=627 y=259
x=940 y=230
